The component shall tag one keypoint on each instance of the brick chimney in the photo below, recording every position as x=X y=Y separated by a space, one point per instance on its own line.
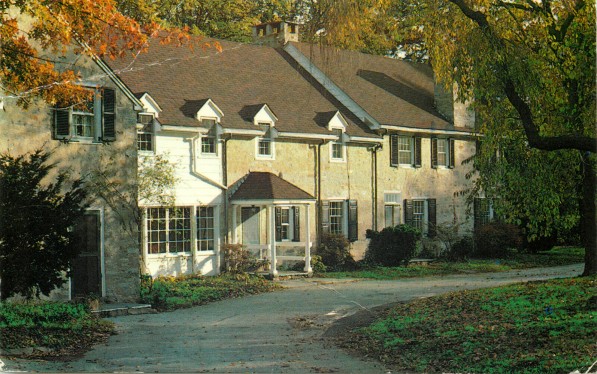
x=275 y=34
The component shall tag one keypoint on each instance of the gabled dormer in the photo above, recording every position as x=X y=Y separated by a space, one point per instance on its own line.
x=149 y=104
x=209 y=111
x=337 y=125
x=265 y=116
x=337 y=122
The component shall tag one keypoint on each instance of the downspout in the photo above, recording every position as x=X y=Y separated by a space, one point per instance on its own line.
x=374 y=150
x=225 y=183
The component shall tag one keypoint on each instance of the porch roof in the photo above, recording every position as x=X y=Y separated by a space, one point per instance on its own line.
x=268 y=186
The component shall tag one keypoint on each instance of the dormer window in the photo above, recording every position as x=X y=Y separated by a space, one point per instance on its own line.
x=265 y=143
x=337 y=147
x=209 y=140
x=145 y=132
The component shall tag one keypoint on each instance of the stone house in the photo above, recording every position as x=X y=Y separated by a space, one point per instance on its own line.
x=97 y=141
x=277 y=142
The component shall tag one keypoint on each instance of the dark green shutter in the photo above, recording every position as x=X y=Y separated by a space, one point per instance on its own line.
x=394 y=150
x=353 y=221
x=61 y=123
x=434 y=153
x=431 y=218
x=417 y=150
x=325 y=216
x=278 y=224
x=108 y=114
x=408 y=212
x=452 y=160
x=297 y=224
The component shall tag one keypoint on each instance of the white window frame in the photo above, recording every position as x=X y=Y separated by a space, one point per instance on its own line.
x=198 y=239
x=143 y=131
x=393 y=201
x=443 y=143
x=167 y=230
x=424 y=215
x=410 y=150
x=211 y=123
x=338 y=143
x=343 y=217
x=80 y=113
x=266 y=138
x=194 y=234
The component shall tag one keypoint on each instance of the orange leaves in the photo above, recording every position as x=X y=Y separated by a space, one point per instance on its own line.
x=94 y=27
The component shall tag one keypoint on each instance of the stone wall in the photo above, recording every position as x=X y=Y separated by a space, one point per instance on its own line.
x=23 y=131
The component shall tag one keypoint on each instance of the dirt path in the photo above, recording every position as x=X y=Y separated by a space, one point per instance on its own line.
x=283 y=331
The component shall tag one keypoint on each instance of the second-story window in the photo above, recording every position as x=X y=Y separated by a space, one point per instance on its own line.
x=145 y=134
x=442 y=153
x=405 y=151
x=337 y=147
x=209 y=141
x=265 y=143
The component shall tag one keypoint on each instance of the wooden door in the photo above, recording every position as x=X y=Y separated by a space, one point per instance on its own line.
x=86 y=276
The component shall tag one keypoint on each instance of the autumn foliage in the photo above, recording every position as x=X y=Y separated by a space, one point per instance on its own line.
x=35 y=34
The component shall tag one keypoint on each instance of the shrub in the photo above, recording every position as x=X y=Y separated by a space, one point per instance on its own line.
x=494 y=239
x=316 y=265
x=334 y=252
x=392 y=246
x=460 y=250
x=238 y=260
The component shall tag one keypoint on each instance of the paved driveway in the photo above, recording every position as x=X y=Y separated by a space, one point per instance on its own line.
x=269 y=333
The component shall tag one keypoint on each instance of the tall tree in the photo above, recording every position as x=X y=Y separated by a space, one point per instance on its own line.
x=35 y=33
x=529 y=67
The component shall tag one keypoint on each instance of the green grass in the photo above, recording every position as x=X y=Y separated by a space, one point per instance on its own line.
x=539 y=327
x=168 y=293
x=59 y=326
x=556 y=257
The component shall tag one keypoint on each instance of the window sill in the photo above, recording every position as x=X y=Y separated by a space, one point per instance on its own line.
x=338 y=160
x=264 y=158
x=209 y=155
x=169 y=255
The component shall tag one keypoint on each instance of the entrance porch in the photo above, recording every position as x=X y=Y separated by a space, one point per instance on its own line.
x=272 y=219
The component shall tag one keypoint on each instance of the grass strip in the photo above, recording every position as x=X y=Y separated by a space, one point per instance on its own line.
x=537 y=327
x=168 y=293
x=556 y=257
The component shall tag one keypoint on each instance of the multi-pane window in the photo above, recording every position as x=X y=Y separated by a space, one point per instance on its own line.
x=205 y=229
x=208 y=145
x=83 y=120
x=168 y=230
x=264 y=143
x=145 y=134
x=284 y=224
x=92 y=120
x=418 y=220
x=404 y=150
x=336 y=214
x=208 y=141
x=338 y=147
x=442 y=152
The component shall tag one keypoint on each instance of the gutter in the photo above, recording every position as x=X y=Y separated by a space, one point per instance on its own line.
x=428 y=131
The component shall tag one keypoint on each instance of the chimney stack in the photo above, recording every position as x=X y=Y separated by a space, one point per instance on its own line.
x=275 y=34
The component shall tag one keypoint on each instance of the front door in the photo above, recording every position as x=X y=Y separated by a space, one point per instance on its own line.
x=86 y=276
x=250 y=220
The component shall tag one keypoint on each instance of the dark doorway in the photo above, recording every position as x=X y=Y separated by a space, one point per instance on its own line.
x=86 y=276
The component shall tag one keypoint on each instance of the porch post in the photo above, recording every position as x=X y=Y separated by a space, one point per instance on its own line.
x=308 y=268
x=271 y=234
x=234 y=211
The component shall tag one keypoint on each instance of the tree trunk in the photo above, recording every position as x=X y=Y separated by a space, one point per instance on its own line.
x=587 y=214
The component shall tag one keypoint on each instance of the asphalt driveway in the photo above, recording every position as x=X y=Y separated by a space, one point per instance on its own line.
x=270 y=333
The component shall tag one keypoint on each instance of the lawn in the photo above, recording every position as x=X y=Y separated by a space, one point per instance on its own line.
x=168 y=293
x=36 y=329
x=538 y=327
x=556 y=257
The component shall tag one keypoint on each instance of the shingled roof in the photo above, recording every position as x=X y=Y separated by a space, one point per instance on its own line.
x=394 y=92
x=241 y=76
x=268 y=186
